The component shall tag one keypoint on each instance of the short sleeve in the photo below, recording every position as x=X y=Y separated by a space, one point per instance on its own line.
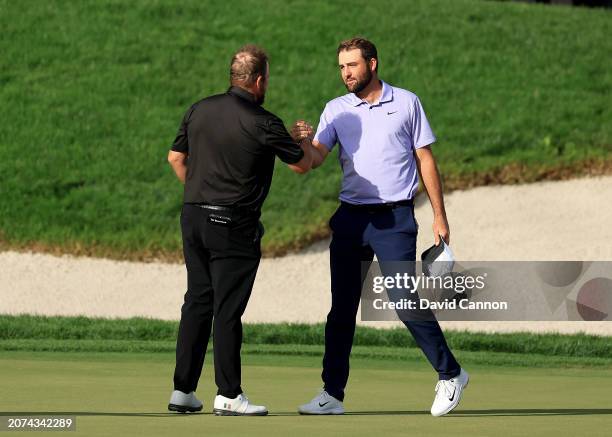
x=181 y=142
x=326 y=133
x=420 y=130
x=275 y=135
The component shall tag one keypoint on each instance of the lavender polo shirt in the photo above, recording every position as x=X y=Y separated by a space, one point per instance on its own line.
x=377 y=144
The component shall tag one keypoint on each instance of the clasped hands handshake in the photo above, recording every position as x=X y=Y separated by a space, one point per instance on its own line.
x=301 y=130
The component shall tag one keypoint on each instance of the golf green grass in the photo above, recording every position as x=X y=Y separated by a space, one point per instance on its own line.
x=93 y=91
x=126 y=394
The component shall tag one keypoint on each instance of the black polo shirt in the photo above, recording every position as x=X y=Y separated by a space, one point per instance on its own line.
x=231 y=142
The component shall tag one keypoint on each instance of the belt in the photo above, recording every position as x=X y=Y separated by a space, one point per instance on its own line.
x=227 y=209
x=372 y=207
x=214 y=207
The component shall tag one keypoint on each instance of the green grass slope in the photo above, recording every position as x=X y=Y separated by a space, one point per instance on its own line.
x=92 y=93
x=82 y=334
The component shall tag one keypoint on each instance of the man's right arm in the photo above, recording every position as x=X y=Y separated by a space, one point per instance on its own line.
x=178 y=162
x=303 y=133
x=177 y=156
x=305 y=164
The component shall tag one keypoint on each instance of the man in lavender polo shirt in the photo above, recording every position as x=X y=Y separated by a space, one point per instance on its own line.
x=384 y=141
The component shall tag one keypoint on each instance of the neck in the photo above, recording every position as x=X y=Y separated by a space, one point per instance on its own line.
x=372 y=92
x=252 y=90
x=244 y=87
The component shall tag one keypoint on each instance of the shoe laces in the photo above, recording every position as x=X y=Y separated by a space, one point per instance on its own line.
x=447 y=385
x=323 y=396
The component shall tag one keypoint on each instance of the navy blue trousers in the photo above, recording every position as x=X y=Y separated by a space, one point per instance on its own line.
x=356 y=236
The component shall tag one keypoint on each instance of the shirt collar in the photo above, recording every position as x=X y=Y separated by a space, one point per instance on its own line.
x=241 y=92
x=385 y=96
x=387 y=92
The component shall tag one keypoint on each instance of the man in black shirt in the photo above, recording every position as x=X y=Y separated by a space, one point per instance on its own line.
x=224 y=153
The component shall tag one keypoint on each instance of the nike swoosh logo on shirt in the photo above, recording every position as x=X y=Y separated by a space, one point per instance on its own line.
x=322 y=405
x=393 y=112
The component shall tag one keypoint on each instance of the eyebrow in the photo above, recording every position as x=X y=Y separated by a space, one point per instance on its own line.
x=348 y=63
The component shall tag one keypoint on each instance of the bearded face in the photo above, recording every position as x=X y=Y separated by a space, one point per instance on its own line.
x=355 y=71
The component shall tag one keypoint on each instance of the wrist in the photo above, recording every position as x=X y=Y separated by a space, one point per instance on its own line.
x=440 y=215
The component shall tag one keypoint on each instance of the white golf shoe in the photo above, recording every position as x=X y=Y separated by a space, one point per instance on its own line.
x=184 y=402
x=239 y=406
x=323 y=403
x=448 y=394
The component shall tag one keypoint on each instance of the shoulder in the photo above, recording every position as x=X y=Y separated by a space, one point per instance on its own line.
x=408 y=100
x=262 y=112
x=346 y=99
x=261 y=119
x=338 y=105
x=244 y=109
x=265 y=117
x=211 y=99
x=404 y=95
x=207 y=102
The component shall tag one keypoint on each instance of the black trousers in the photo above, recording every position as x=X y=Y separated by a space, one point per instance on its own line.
x=222 y=261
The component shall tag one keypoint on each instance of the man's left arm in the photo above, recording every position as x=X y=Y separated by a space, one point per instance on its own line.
x=426 y=164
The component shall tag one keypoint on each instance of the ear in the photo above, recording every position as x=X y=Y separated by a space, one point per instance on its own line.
x=373 y=64
x=259 y=82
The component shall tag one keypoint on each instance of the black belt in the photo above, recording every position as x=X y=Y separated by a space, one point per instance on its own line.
x=214 y=207
x=227 y=209
x=377 y=206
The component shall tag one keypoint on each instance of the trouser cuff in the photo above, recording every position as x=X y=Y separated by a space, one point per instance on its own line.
x=229 y=394
x=449 y=375
x=338 y=394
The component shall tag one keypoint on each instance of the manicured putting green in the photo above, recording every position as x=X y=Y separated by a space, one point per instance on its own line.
x=126 y=394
